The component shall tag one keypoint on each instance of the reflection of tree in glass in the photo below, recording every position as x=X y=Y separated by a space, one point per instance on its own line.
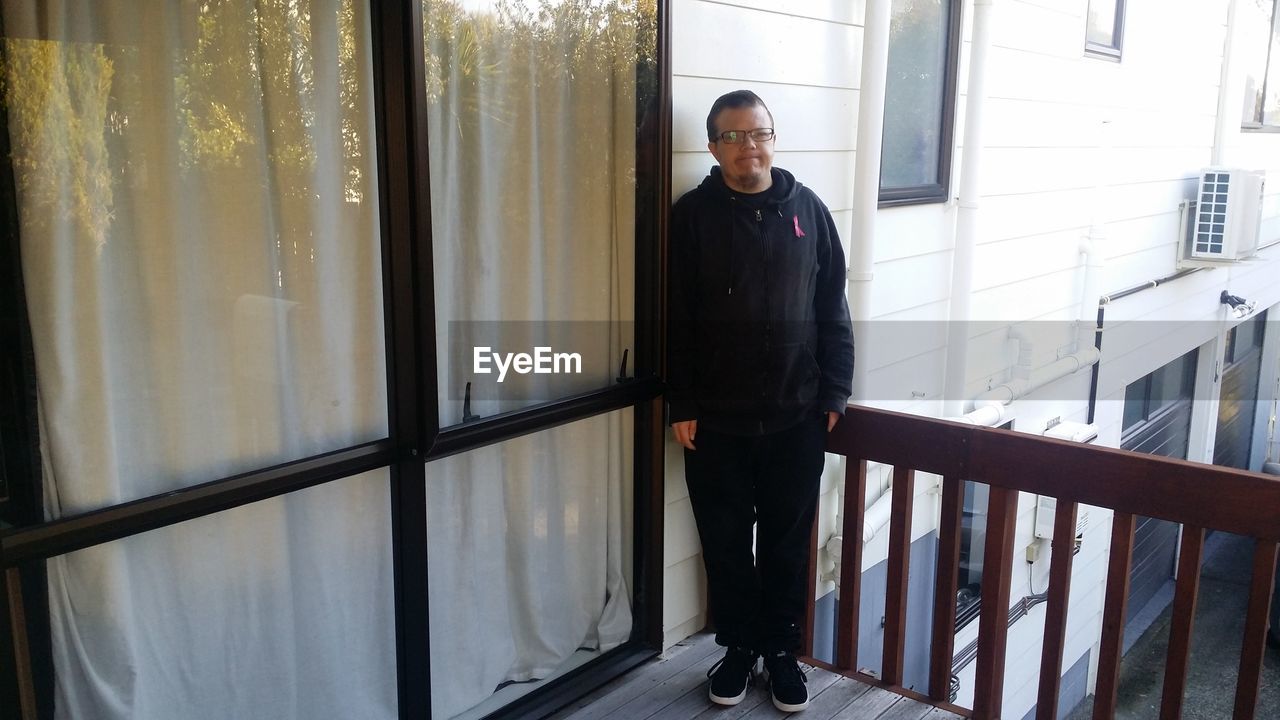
x=251 y=78
x=82 y=116
x=56 y=95
x=535 y=40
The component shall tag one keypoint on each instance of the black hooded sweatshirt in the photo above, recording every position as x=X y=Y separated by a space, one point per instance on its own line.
x=759 y=335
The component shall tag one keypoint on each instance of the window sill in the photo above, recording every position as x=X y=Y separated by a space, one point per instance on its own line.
x=1102 y=52
x=912 y=196
x=1260 y=128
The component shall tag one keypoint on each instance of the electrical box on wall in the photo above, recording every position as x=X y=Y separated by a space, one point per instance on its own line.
x=1046 y=507
x=1222 y=223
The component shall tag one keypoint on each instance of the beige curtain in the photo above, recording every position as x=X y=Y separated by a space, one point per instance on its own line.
x=199 y=234
x=532 y=119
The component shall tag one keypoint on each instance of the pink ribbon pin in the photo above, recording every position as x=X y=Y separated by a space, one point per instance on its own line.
x=796 y=220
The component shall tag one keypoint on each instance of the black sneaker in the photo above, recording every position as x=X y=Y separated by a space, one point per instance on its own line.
x=786 y=682
x=731 y=675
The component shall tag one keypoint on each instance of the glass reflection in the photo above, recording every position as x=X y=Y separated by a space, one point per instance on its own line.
x=530 y=557
x=199 y=237
x=533 y=110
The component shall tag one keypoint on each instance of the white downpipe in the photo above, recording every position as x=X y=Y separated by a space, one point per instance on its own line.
x=953 y=390
x=866 y=175
x=1226 y=126
x=866 y=203
x=1092 y=262
x=1022 y=370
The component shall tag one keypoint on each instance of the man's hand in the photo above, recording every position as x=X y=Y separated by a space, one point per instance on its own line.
x=832 y=417
x=685 y=432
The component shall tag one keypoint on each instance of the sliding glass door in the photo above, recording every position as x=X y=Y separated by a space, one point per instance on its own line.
x=334 y=353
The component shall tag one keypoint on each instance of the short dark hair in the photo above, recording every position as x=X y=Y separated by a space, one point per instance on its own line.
x=735 y=99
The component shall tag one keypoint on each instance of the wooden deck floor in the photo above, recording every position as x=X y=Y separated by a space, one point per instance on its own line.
x=674 y=687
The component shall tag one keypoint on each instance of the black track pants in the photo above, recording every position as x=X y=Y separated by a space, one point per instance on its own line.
x=735 y=482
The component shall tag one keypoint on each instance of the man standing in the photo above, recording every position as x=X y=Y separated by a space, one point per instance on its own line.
x=760 y=368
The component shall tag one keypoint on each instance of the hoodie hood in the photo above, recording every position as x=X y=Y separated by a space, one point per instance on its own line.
x=784 y=189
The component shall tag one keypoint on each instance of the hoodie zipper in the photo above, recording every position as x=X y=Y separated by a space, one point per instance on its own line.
x=768 y=311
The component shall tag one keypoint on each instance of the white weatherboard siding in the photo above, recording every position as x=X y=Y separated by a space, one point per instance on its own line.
x=1052 y=169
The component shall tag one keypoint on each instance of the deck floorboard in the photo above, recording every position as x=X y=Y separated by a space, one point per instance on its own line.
x=674 y=687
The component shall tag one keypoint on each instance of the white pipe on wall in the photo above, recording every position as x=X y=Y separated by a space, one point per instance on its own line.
x=866 y=203
x=1226 y=124
x=866 y=174
x=953 y=390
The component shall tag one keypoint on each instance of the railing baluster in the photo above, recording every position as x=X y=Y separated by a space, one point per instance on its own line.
x=1182 y=622
x=895 y=602
x=810 y=608
x=993 y=622
x=1113 y=616
x=1255 y=628
x=855 y=501
x=942 y=646
x=1055 y=618
x=21 y=650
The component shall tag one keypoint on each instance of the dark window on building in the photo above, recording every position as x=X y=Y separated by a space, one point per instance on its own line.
x=1153 y=394
x=973 y=546
x=1244 y=337
x=1104 y=28
x=919 y=104
x=1258 y=41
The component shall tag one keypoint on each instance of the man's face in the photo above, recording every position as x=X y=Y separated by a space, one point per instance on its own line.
x=745 y=165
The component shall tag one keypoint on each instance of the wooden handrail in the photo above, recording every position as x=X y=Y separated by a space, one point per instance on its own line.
x=1208 y=496
x=1198 y=496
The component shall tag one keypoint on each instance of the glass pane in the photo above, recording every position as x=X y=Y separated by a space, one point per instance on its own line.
x=279 y=610
x=199 y=233
x=532 y=116
x=914 y=93
x=1135 y=403
x=973 y=546
x=1256 y=34
x=1271 y=100
x=530 y=555
x=1167 y=384
x=1101 y=28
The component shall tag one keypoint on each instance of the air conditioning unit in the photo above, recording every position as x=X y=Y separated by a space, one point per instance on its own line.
x=1227 y=215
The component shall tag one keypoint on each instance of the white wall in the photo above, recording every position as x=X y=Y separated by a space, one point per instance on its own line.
x=1052 y=168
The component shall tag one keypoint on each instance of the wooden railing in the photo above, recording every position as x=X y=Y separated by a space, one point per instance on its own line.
x=1200 y=497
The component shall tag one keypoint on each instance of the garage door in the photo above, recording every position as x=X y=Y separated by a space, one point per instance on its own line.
x=1157 y=421
x=1238 y=398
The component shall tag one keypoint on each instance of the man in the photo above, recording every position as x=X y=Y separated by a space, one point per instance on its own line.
x=760 y=369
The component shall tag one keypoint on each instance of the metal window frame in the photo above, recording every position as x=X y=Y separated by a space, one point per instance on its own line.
x=1114 y=50
x=939 y=191
x=1255 y=123
x=415 y=436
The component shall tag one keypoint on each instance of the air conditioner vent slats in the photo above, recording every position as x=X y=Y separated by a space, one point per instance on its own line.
x=1227 y=215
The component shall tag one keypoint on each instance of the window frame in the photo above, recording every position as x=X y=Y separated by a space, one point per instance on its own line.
x=1256 y=124
x=1153 y=408
x=940 y=191
x=415 y=435
x=1107 y=52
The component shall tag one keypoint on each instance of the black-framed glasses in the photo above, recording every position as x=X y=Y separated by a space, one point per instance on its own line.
x=733 y=137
